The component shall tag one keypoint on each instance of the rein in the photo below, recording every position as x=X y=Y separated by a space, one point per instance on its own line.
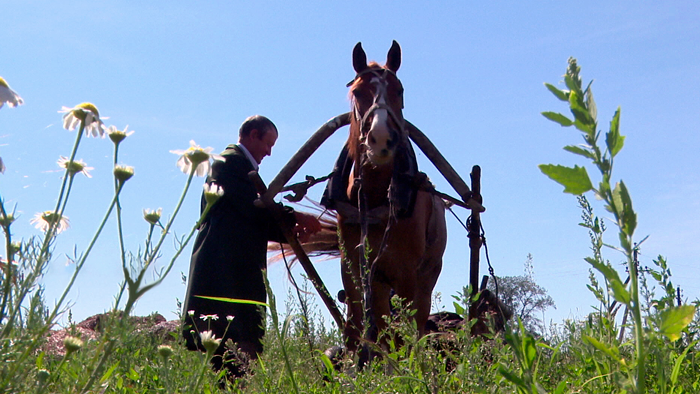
x=365 y=216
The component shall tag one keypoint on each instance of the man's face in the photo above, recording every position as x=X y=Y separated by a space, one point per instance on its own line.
x=261 y=147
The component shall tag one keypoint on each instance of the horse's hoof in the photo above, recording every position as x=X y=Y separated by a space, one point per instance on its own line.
x=335 y=354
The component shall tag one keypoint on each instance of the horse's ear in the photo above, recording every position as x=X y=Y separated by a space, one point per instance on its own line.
x=359 y=58
x=393 y=58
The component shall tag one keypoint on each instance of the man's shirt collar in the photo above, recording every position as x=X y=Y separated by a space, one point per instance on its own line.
x=249 y=156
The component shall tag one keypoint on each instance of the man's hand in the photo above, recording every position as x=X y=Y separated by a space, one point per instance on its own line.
x=307 y=225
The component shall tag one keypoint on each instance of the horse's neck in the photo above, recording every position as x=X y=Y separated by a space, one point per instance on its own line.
x=375 y=185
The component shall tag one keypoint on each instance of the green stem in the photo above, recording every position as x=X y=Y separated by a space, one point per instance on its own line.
x=61 y=202
x=134 y=289
x=182 y=247
x=49 y=321
x=41 y=263
x=6 y=296
x=120 y=232
x=43 y=258
x=638 y=325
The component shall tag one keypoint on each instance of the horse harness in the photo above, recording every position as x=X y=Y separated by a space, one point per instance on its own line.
x=379 y=80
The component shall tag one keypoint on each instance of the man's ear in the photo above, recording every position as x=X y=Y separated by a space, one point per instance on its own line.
x=255 y=134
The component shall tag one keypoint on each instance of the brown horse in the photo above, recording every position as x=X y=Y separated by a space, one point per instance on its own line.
x=405 y=243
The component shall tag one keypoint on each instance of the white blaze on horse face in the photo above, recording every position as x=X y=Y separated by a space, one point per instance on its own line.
x=378 y=138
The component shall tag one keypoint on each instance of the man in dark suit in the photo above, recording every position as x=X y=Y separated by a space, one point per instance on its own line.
x=230 y=252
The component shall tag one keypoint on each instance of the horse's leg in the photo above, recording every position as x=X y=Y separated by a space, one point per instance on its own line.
x=350 y=275
x=423 y=299
x=381 y=304
x=431 y=264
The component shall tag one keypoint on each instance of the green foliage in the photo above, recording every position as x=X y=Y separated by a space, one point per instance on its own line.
x=629 y=373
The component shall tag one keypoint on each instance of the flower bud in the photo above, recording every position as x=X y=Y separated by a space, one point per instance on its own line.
x=212 y=192
x=118 y=136
x=72 y=344
x=209 y=341
x=42 y=376
x=165 y=351
x=6 y=220
x=123 y=173
x=151 y=216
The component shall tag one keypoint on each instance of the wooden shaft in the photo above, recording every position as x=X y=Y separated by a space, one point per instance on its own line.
x=475 y=232
x=303 y=154
x=304 y=260
x=443 y=166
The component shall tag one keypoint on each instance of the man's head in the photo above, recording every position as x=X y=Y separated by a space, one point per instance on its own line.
x=258 y=134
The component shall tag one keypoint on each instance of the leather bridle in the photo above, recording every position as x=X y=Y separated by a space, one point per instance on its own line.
x=379 y=80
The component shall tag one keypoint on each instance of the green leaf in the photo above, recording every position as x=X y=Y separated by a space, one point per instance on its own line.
x=588 y=129
x=618 y=288
x=611 y=351
x=459 y=309
x=529 y=350
x=675 y=319
x=679 y=361
x=575 y=180
x=622 y=203
x=579 y=150
x=578 y=108
x=233 y=300
x=560 y=94
x=613 y=139
x=109 y=372
x=327 y=363
x=571 y=82
x=40 y=361
x=132 y=374
x=558 y=118
x=590 y=103
x=561 y=388
x=513 y=378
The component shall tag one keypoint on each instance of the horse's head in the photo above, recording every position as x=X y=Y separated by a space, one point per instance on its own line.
x=377 y=99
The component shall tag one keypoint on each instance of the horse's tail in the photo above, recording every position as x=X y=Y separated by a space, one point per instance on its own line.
x=323 y=243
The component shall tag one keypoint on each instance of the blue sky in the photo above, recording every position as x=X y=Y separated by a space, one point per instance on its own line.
x=473 y=75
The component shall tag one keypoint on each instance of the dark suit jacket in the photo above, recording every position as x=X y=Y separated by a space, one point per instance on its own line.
x=229 y=255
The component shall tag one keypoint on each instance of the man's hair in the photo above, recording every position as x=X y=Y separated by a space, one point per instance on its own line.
x=259 y=122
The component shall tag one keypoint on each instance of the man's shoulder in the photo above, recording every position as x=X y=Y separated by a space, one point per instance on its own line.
x=234 y=157
x=232 y=150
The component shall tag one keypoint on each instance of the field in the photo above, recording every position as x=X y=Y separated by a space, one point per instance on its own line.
x=639 y=339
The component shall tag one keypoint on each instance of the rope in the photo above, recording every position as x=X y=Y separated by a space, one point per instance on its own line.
x=483 y=241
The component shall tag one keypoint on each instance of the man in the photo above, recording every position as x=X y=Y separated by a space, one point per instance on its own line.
x=230 y=251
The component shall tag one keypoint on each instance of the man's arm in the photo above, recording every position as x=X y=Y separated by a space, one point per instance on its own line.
x=306 y=226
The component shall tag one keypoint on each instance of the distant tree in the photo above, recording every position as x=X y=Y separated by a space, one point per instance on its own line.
x=527 y=299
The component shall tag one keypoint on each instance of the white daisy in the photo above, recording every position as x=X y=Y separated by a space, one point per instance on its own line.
x=85 y=112
x=9 y=96
x=75 y=166
x=195 y=156
x=44 y=220
x=209 y=317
